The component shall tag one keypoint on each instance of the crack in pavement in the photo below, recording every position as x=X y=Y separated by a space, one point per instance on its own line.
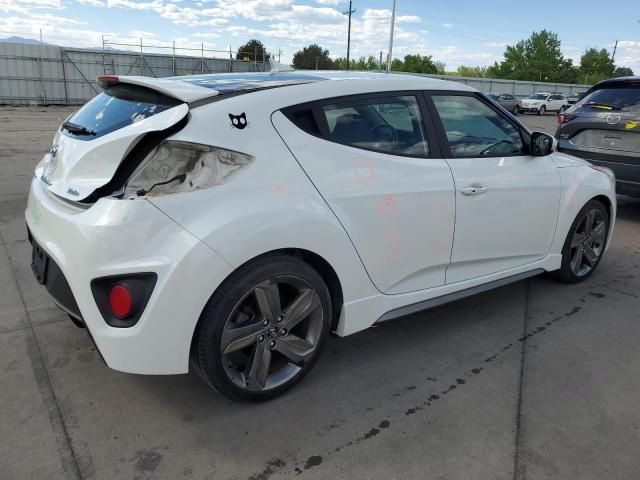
x=299 y=467
x=43 y=381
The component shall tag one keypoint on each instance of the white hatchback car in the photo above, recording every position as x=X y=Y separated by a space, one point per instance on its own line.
x=232 y=221
x=542 y=103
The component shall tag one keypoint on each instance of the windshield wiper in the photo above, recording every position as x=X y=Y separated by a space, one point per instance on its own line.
x=77 y=129
x=603 y=106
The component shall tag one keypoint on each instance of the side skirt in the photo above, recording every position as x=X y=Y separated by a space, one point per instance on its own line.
x=450 y=297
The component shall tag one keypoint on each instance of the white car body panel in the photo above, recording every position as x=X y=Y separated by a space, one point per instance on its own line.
x=81 y=166
x=391 y=206
x=523 y=194
x=301 y=193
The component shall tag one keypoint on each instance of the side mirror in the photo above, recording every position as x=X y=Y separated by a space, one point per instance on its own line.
x=541 y=144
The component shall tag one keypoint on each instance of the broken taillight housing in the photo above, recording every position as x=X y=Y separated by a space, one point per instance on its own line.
x=177 y=167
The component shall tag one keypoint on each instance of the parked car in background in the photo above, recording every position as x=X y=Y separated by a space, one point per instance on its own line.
x=232 y=221
x=543 y=102
x=604 y=128
x=507 y=101
x=575 y=97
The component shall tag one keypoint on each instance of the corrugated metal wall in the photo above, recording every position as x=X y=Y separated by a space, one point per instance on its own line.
x=34 y=74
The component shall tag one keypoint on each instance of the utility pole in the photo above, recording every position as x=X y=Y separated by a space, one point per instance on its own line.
x=349 y=12
x=393 y=21
x=613 y=57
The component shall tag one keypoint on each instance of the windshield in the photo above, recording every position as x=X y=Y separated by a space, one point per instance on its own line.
x=492 y=96
x=115 y=108
x=538 y=96
x=625 y=98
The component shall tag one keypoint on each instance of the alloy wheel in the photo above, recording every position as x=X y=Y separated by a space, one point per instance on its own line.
x=270 y=334
x=587 y=243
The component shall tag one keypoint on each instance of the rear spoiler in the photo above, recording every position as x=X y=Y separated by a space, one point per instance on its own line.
x=174 y=88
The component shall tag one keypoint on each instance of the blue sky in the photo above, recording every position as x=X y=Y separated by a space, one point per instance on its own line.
x=454 y=32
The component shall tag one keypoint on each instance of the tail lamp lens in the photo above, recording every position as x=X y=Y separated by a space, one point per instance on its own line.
x=565 y=118
x=120 y=301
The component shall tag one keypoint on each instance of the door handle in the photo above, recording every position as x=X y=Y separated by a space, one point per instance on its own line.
x=473 y=190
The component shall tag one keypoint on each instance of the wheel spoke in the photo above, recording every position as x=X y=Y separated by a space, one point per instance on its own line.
x=577 y=239
x=599 y=232
x=300 y=308
x=236 y=338
x=268 y=297
x=588 y=224
x=576 y=261
x=256 y=378
x=590 y=256
x=295 y=348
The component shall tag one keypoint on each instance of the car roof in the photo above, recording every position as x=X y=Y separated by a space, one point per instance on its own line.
x=195 y=87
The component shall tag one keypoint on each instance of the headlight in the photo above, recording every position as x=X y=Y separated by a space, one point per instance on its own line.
x=175 y=167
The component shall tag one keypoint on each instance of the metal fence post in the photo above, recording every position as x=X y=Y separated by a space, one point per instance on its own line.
x=230 y=59
x=141 y=59
x=64 y=77
x=173 y=58
x=202 y=57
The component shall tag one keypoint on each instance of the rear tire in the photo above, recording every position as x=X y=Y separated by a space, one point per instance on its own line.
x=263 y=329
x=516 y=110
x=542 y=110
x=585 y=243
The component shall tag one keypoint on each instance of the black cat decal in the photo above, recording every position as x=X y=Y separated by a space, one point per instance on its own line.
x=238 y=121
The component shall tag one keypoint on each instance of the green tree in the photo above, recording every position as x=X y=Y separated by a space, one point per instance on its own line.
x=623 y=72
x=595 y=65
x=253 y=50
x=397 y=65
x=419 y=64
x=538 y=58
x=465 y=71
x=312 y=57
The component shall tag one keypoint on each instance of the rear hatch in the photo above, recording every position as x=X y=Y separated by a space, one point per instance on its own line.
x=91 y=144
x=605 y=121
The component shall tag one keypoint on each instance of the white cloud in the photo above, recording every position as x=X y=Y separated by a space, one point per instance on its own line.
x=328 y=2
x=92 y=3
x=447 y=25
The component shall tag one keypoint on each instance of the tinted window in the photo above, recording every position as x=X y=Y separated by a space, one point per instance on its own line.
x=621 y=98
x=475 y=130
x=117 y=107
x=389 y=124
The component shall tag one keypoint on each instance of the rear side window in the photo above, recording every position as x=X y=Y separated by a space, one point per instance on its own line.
x=625 y=98
x=117 y=107
x=474 y=129
x=388 y=124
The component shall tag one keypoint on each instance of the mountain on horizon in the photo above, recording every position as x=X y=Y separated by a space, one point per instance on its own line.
x=26 y=41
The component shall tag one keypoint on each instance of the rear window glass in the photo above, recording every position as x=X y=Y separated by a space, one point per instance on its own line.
x=619 y=98
x=117 y=107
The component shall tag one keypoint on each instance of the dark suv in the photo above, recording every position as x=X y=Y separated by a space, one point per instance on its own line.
x=604 y=128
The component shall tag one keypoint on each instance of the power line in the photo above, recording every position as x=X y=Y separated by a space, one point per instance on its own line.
x=349 y=12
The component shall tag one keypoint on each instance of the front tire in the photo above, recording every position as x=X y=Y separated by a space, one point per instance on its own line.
x=263 y=329
x=516 y=110
x=585 y=243
x=542 y=110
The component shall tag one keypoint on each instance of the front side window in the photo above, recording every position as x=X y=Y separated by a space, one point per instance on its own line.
x=387 y=124
x=475 y=130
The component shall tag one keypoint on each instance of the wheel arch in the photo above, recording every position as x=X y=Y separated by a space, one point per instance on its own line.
x=316 y=261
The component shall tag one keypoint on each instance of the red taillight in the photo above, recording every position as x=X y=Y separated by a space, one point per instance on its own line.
x=565 y=118
x=107 y=80
x=120 y=301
